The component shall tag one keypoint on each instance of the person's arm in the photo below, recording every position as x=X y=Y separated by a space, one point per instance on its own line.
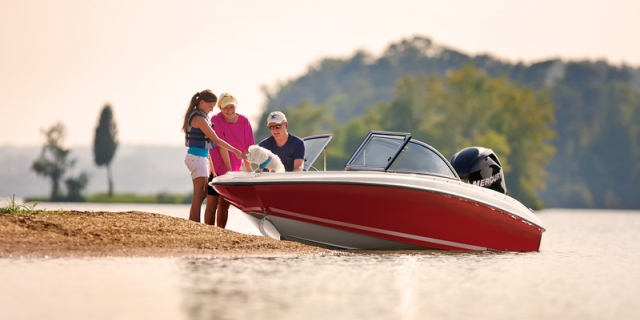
x=201 y=123
x=298 y=165
x=247 y=166
x=225 y=158
x=212 y=169
x=298 y=157
x=249 y=141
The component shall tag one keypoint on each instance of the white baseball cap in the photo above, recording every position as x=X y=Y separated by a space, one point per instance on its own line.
x=276 y=117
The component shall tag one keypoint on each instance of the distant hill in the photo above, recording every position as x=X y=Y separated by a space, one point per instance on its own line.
x=139 y=169
x=349 y=85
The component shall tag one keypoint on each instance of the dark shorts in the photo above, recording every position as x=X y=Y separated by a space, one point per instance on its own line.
x=210 y=190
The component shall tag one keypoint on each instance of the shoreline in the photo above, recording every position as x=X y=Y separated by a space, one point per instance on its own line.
x=79 y=234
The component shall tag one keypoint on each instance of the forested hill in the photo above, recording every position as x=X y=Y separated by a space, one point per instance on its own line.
x=567 y=131
x=347 y=86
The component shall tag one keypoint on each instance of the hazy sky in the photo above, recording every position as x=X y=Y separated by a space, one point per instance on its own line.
x=62 y=60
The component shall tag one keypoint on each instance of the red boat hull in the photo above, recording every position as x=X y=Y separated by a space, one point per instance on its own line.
x=413 y=216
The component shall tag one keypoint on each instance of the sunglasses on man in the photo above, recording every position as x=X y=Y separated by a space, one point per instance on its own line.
x=277 y=126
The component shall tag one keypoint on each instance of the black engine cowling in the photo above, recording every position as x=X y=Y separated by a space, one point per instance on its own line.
x=479 y=166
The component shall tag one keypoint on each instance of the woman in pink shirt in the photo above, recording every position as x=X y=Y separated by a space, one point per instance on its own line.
x=236 y=130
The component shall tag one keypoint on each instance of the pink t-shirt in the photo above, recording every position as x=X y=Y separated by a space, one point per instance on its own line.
x=239 y=135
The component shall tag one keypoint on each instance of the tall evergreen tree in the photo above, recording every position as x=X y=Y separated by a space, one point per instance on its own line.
x=105 y=143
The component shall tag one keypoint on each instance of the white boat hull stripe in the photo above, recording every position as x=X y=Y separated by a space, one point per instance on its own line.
x=377 y=230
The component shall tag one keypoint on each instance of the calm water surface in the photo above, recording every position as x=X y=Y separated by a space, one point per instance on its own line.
x=587 y=269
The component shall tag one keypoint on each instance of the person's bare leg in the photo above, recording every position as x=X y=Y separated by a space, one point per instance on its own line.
x=210 y=210
x=223 y=212
x=199 y=193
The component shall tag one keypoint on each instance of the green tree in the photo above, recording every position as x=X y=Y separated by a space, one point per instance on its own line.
x=599 y=154
x=54 y=162
x=468 y=107
x=105 y=143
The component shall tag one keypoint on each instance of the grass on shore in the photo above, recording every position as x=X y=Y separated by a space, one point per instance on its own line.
x=13 y=207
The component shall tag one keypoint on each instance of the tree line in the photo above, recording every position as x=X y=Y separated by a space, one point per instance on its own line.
x=568 y=132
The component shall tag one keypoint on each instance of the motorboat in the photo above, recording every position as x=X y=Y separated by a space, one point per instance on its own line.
x=395 y=193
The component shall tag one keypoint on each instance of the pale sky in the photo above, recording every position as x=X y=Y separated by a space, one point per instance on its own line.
x=62 y=60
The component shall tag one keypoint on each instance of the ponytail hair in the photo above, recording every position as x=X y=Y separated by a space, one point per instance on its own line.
x=204 y=95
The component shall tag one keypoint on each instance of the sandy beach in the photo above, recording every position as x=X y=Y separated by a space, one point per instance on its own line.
x=130 y=234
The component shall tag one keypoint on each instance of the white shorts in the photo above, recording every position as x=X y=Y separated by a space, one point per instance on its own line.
x=199 y=166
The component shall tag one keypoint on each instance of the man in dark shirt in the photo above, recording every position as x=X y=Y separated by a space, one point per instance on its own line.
x=287 y=146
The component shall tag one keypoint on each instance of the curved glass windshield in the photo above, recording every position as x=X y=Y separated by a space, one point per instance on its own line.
x=397 y=152
x=378 y=151
x=417 y=158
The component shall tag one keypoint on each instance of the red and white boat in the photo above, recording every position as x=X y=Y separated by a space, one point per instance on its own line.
x=396 y=193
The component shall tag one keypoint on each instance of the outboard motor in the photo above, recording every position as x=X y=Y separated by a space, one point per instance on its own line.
x=479 y=166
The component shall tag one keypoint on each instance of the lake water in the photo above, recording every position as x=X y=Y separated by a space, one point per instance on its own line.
x=587 y=268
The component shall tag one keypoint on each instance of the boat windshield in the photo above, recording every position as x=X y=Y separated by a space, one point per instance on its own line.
x=418 y=158
x=314 y=145
x=398 y=152
x=378 y=151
